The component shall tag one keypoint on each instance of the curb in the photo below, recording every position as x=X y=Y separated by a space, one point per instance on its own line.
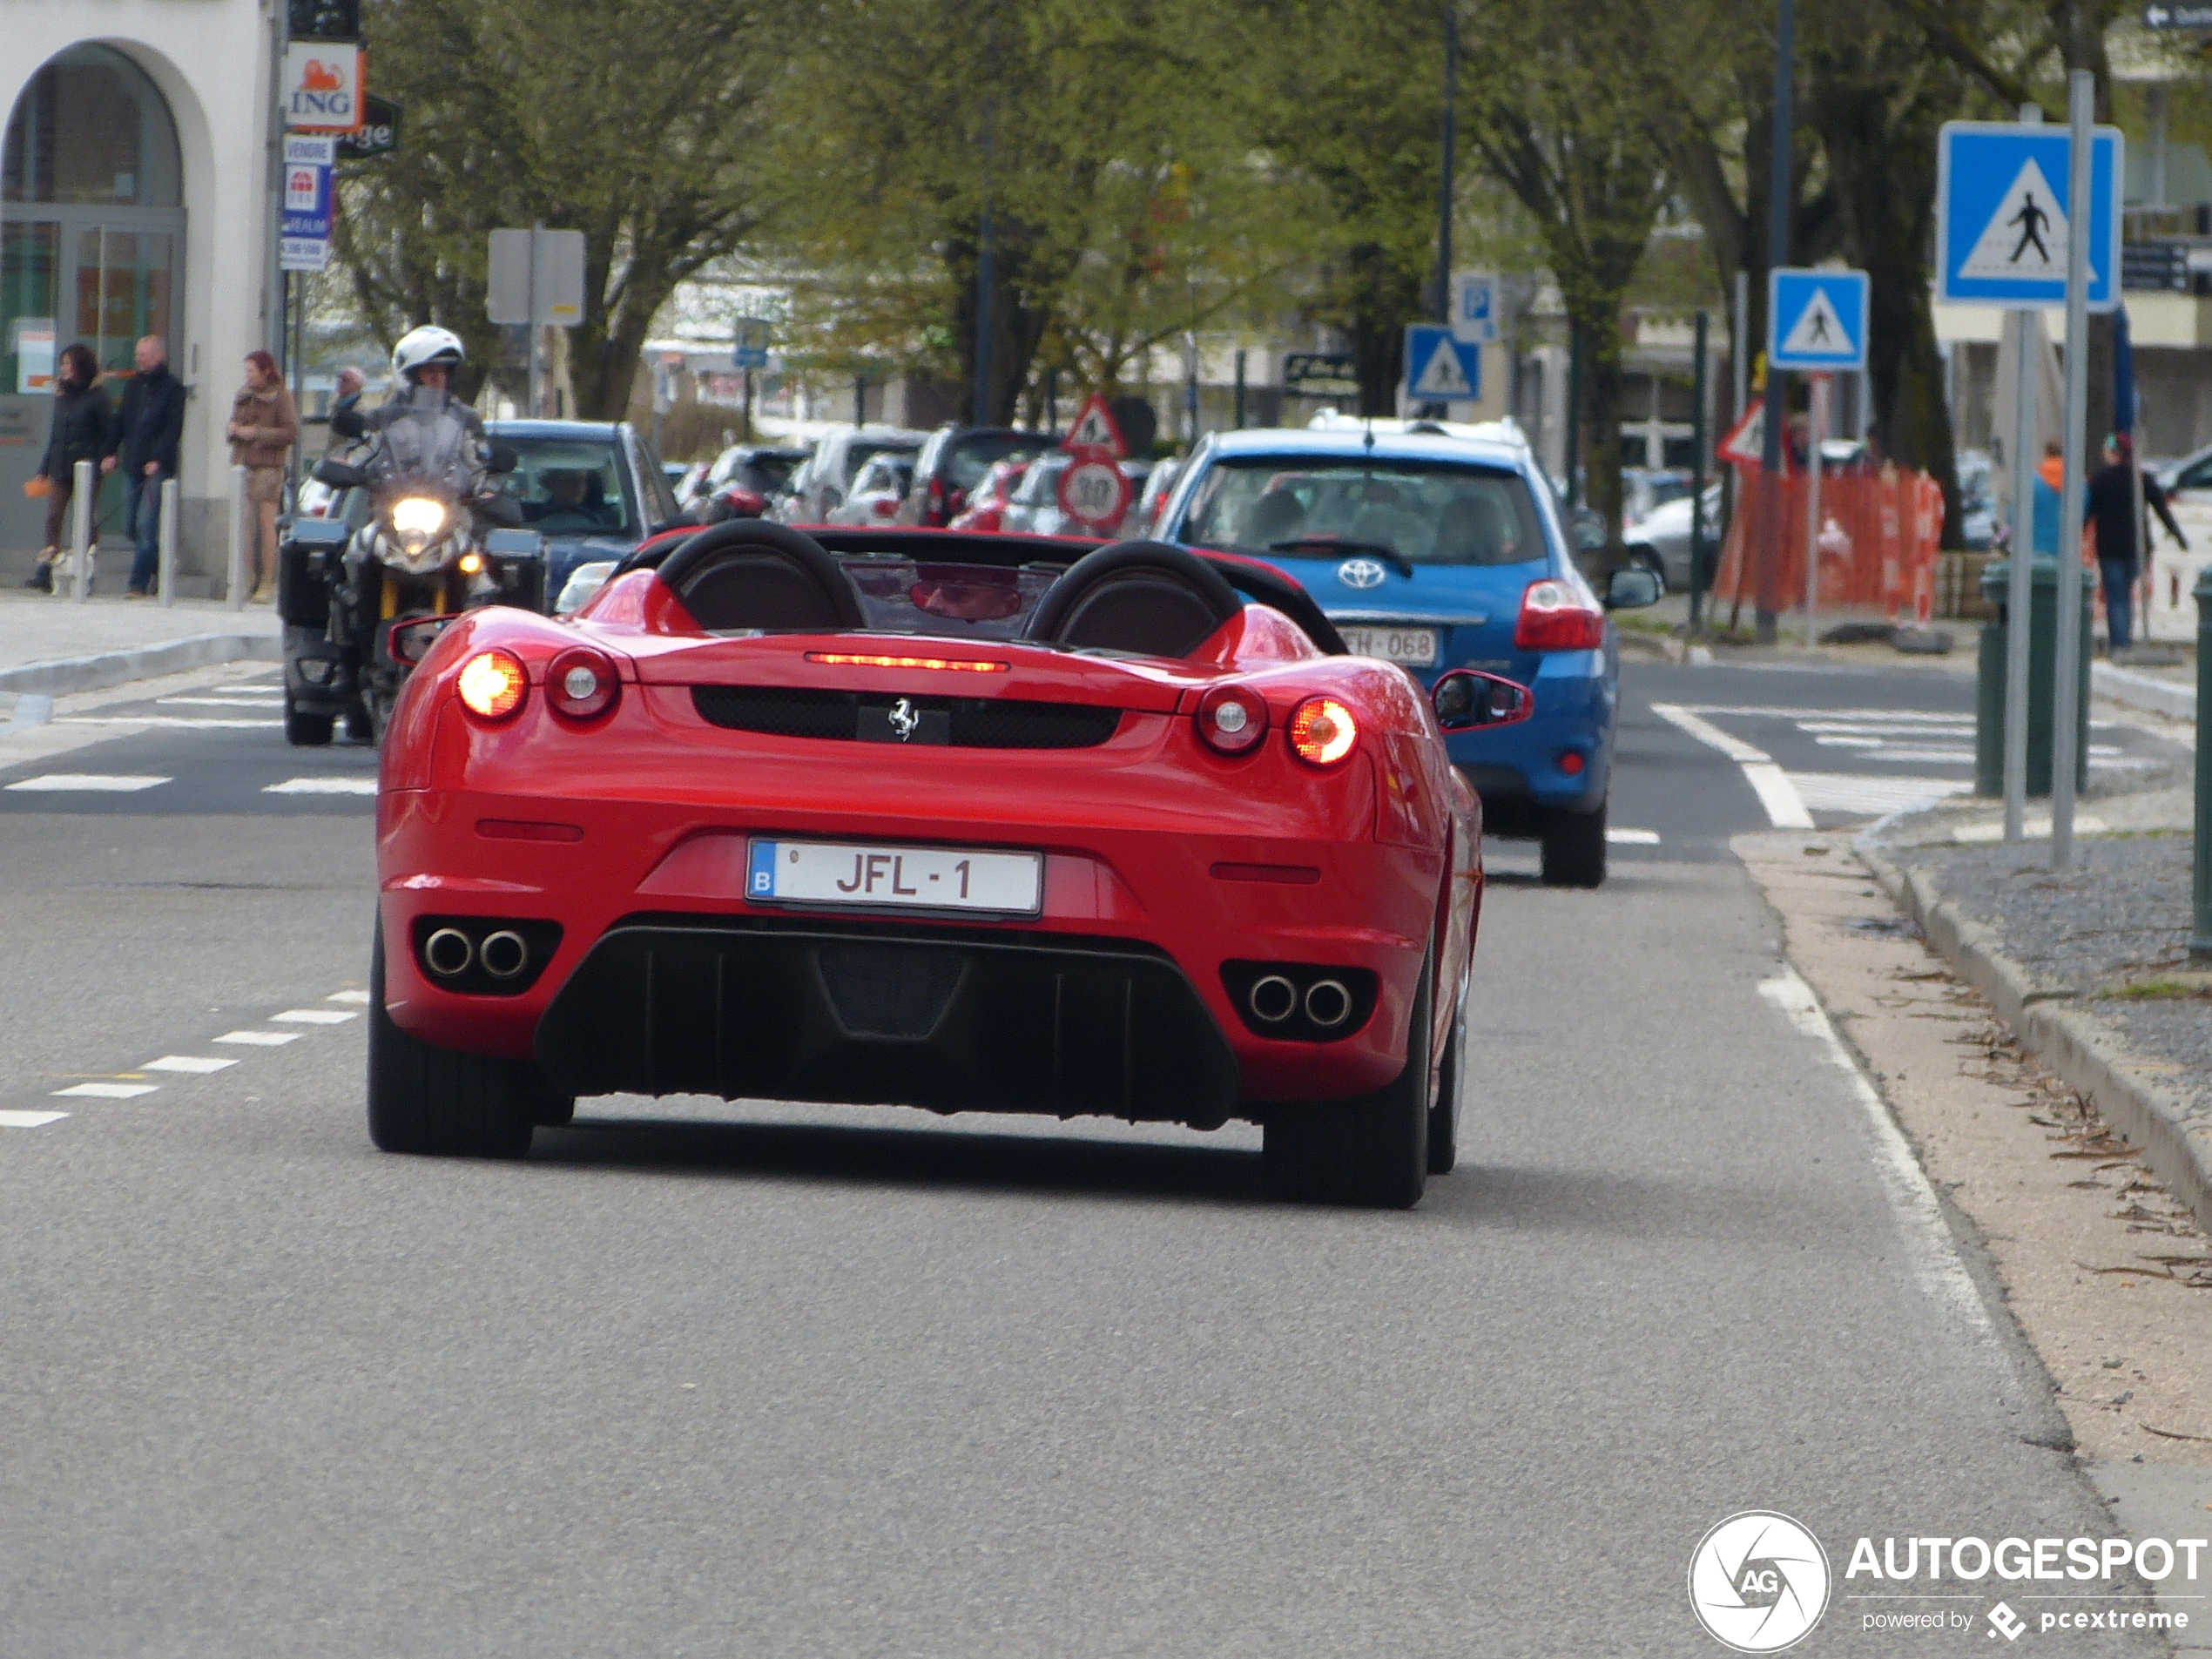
x=2142 y=691
x=143 y=662
x=2174 y=1137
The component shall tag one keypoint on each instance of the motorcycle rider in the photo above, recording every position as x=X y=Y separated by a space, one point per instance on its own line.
x=424 y=361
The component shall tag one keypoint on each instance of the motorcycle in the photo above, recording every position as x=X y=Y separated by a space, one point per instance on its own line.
x=423 y=536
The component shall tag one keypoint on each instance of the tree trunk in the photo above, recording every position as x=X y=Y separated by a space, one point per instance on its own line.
x=1380 y=298
x=1597 y=318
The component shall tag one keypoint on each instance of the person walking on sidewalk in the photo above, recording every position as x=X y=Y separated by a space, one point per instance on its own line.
x=2111 y=508
x=79 y=433
x=144 y=443
x=263 y=426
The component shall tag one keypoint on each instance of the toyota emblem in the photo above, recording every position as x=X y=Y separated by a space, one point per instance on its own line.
x=1360 y=573
x=904 y=720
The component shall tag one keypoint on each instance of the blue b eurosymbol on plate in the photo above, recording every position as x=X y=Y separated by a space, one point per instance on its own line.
x=2004 y=214
x=1817 y=319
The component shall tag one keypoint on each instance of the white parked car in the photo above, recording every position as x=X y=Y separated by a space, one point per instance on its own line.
x=877 y=492
x=819 y=488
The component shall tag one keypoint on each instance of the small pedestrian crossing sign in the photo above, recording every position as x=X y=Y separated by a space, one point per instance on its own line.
x=1817 y=319
x=1440 y=369
x=2004 y=223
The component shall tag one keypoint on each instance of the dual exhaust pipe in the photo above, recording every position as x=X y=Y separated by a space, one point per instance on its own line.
x=450 y=953
x=1273 y=999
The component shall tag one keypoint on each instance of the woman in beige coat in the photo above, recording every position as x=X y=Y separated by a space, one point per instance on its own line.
x=262 y=429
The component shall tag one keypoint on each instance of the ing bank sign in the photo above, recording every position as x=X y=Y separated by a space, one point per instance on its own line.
x=322 y=86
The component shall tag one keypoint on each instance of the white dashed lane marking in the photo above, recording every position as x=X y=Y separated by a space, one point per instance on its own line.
x=312 y=1016
x=261 y=1039
x=105 y=1091
x=322 y=786
x=29 y=1120
x=106 y=783
x=186 y=1063
x=1632 y=838
x=360 y=997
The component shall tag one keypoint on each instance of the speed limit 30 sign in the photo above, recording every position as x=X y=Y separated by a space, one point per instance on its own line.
x=1094 y=491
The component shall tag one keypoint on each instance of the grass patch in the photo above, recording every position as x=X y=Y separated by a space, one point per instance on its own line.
x=2152 y=990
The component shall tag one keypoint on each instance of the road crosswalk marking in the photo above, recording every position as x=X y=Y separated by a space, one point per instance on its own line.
x=322 y=786
x=261 y=1039
x=186 y=1063
x=105 y=1091
x=101 y=782
x=29 y=1120
x=312 y=1016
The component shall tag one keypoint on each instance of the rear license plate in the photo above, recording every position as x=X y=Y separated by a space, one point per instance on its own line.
x=914 y=878
x=1415 y=647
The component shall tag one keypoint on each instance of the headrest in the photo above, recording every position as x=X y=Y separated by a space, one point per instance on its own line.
x=749 y=574
x=1147 y=597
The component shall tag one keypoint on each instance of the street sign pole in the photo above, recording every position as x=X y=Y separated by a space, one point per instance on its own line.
x=1818 y=430
x=1698 y=483
x=537 y=332
x=2067 y=663
x=2020 y=590
x=1779 y=199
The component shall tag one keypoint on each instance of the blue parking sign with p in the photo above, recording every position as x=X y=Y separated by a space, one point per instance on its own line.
x=2005 y=214
x=1817 y=319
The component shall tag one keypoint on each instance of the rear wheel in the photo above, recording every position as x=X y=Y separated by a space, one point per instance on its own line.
x=422 y=1098
x=1372 y=1151
x=358 y=727
x=1574 y=849
x=304 y=731
x=1444 y=1115
x=1648 y=557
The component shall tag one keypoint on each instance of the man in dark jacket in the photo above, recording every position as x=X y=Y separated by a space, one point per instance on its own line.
x=2111 y=508
x=148 y=428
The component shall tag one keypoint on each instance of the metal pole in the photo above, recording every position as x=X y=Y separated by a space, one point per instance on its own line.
x=2021 y=590
x=537 y=393
x=1777 y=252
x=2082 y=90
x=2201 y=857
x=82 y=482
x=165 y=542
x=748 y=406
x=1574 y=416
x=1451 y=142
x=1240 y=388
x=1817 y=429
x=234 y=576
x=1697 y=480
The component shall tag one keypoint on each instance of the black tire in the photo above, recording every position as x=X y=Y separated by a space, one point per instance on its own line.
x=1574 y=849
x=1648 y=557
x=304 y=731
x=1444 y=1113
x=1372 y=1151
x=422 y=1098
x=358 y=727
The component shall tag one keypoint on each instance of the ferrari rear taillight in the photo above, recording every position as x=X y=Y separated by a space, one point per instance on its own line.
x=581 y=683
x=1323 y=732
x=493 y=685
x=1554 y=618
x=1232 y=720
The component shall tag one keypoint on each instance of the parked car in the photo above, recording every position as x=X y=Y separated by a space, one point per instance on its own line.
x=946 y=862
x=1661 y=539
x=1145 y=515
x=821 y=485
x=987 y=503
x=952 y=462
x=1439 y=553
x=593 y=489
x=1035 y=509
x=747 y=478
x=877 y=490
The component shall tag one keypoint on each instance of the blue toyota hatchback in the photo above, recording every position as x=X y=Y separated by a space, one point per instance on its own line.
x=1437 y=551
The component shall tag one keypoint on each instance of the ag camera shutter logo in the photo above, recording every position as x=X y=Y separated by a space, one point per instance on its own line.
x=1758 y=1581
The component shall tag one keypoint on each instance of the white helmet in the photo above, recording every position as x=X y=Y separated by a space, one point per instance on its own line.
x=424 y=346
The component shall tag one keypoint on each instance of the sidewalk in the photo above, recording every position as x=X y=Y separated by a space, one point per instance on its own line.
x=2089 y=966
x=53 y=645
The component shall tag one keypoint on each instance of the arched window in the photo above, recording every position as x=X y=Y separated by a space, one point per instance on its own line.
x=92 y=129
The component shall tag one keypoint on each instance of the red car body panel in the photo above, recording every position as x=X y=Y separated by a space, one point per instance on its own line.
x=1151 y=838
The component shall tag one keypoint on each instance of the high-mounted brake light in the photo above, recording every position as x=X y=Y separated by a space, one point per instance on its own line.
x=581 y=683
x=1322 y=731
x=961 y=665
x=1554 y=616
x=493 y=685
x=1232 y=720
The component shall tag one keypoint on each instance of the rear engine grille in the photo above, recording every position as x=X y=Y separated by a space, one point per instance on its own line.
x=961 y=722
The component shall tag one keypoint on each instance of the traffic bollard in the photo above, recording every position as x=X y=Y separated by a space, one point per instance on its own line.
x=166 y=583
x=235 y=576
x=85 y=484
x=2200 y=854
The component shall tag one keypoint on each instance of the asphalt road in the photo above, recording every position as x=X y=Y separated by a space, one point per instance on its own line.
x=787 y=1380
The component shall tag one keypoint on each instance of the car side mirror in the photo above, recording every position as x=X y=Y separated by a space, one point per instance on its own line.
x=410 y=642
x=1631 y=590
x=338 y=475
x=502 y=458
x=347 y=423
x=1467 y=698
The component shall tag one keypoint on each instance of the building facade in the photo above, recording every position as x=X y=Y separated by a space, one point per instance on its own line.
x=135 y=168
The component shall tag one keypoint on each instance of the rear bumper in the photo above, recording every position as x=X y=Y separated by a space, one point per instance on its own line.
x=780 y=1009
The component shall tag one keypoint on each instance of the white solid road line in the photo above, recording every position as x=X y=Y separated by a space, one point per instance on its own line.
x=322 y=786
x=191 y=1062
x=263 y=702
x=105 y=1091
x=261 y=1039
x=1785 y=809
x=174 y=722
x=1632 y=836
x=1927 y=1239
x=29 y=1120
x=107 y=782
x=312 y=1016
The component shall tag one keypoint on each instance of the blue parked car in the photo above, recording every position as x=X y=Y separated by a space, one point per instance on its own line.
x=1437 y=551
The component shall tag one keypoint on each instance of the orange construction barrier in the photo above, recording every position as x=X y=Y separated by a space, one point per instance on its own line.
x=1879 y=534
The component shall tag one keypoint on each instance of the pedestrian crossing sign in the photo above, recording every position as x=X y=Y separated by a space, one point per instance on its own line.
x=2004 y=220
x=1816 y=320
x=1440 y=369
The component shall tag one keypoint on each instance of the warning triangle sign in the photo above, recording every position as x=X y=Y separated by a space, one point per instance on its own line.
x=1095 y=428
x=1442 y=376
x=1745 y=445
x=2026 y=235
x=1818 y=331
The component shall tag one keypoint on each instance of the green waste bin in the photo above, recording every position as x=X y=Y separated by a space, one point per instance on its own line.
x=1989 y=698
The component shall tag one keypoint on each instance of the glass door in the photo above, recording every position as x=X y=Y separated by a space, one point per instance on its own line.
x=119 y=290
x=30 y=288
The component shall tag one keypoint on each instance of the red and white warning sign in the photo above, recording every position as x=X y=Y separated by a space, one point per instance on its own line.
x=1095 y=491
x=1096 y=430
x=1745 y=444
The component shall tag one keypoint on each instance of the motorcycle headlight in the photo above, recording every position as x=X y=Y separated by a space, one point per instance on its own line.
x=416 y=521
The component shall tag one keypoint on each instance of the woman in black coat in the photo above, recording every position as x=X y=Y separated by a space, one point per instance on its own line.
x=80 y=433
